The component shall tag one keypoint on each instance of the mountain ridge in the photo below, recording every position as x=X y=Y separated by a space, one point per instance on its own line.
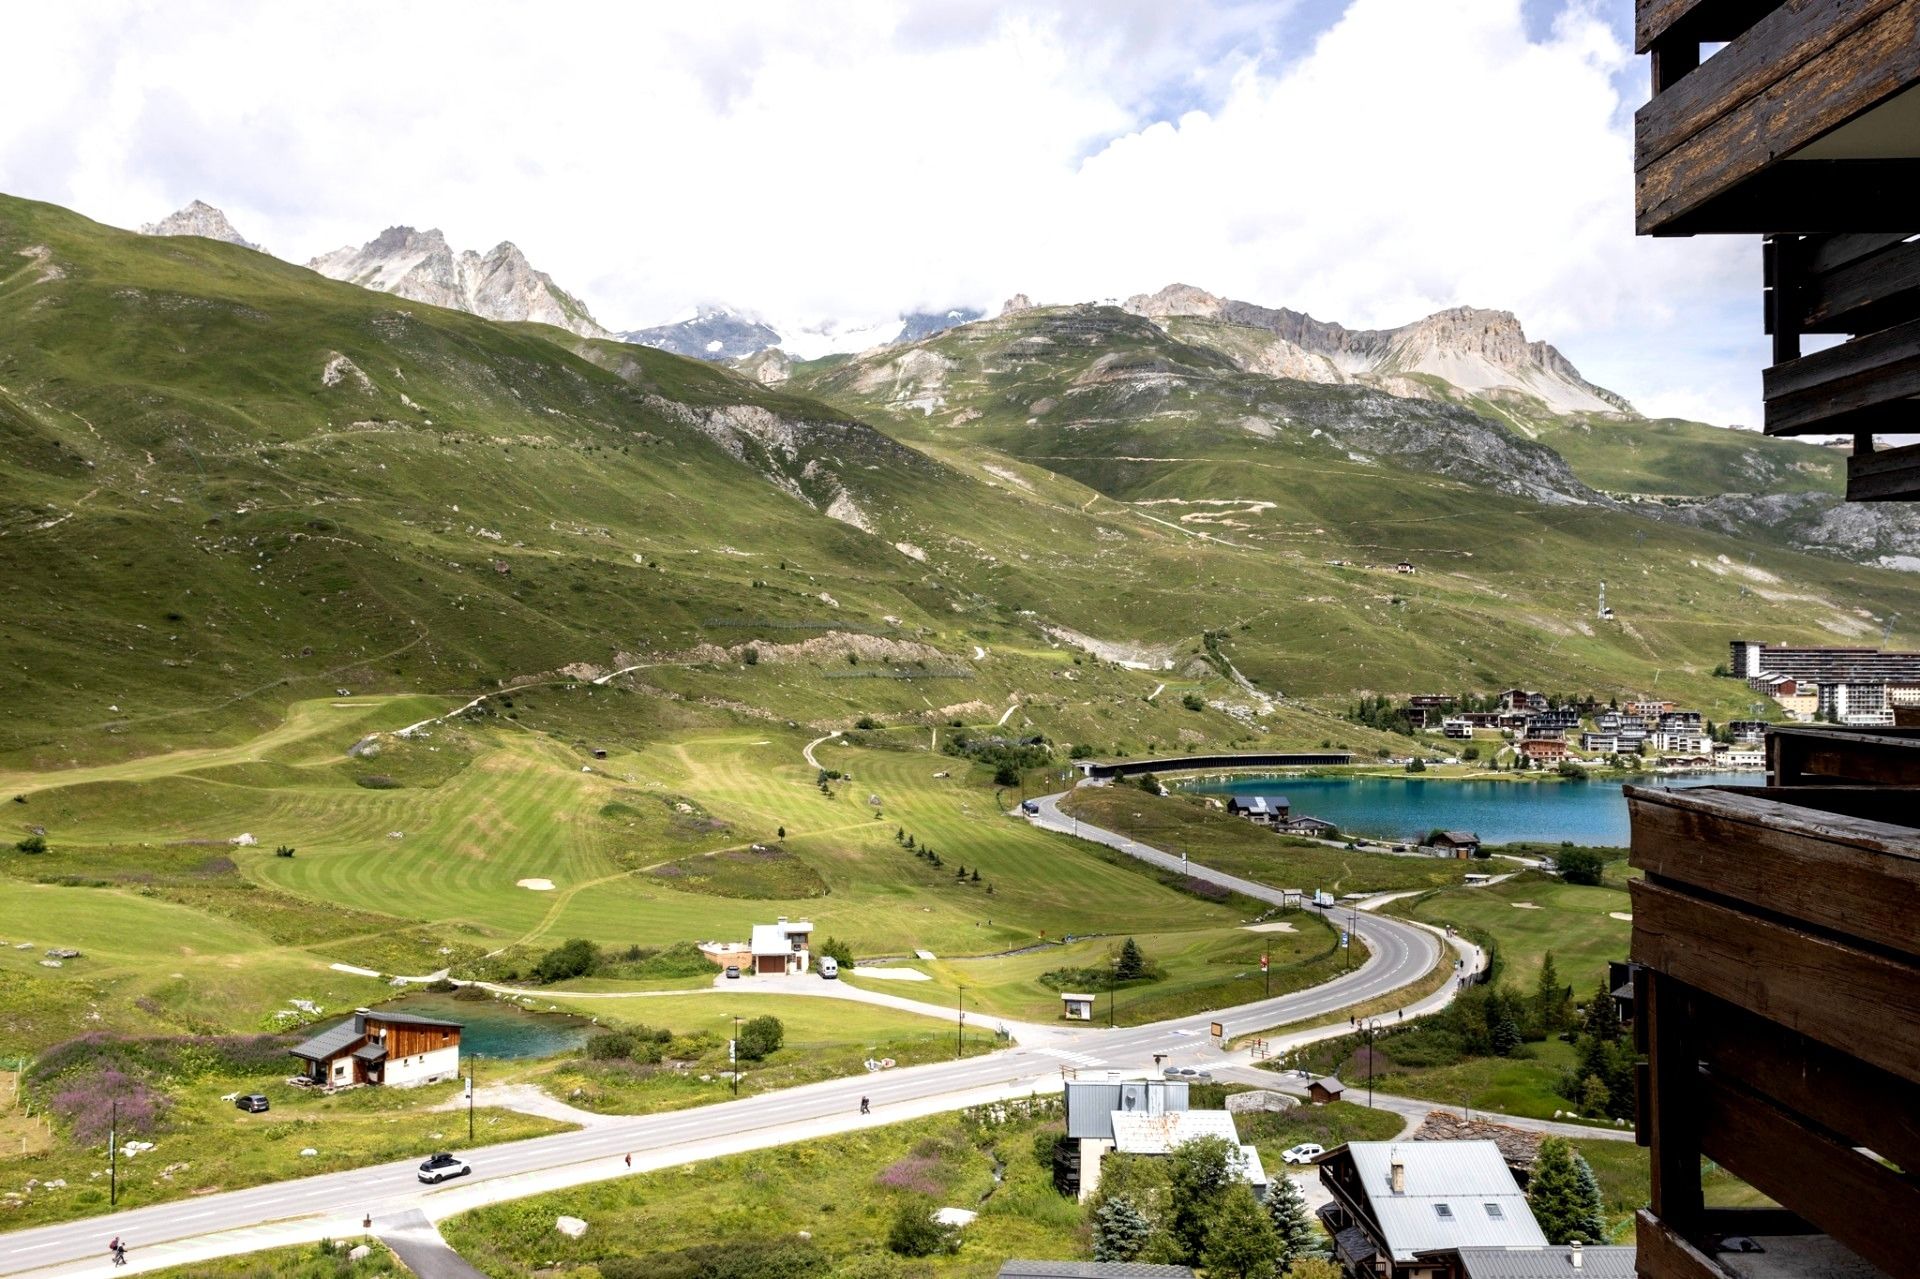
x=498 y=285
x=1472 y=348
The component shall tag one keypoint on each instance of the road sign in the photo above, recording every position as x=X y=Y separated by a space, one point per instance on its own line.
x=1263 y=961
x=731 y=1044
x=1219 y=1031
x=1343 y=939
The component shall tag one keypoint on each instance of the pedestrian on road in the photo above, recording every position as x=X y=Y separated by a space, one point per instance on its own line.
x=629 y=1159
x=118 y=1250
x=865 y=1109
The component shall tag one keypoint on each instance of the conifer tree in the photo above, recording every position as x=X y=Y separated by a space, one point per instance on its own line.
x=1120 y=1230
x=1240 y=1243
x=1292 y=1224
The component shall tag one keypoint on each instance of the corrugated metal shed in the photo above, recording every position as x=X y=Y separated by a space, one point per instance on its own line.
x=1157 y=1134
x=1456 y=1194
x=1555 y=1261
x=1092 y=1103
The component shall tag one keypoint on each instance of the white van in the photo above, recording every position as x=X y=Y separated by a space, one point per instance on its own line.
x=829 y=967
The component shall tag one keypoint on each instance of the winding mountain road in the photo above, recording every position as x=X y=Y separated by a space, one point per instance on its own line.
x=335 y=1204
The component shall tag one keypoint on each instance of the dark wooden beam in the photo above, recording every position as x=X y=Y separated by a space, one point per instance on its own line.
x=1777 y=45
x=1872 y=291
x=1806 y=196
x=1672 y=1103
x=1834 y=992
x=1850 y=1196
x=1705 y=21
x=1826 y=1087
x=1825 y=755
x=1857 y=877
x=1829 y=390
x=1662 y=1252
x=1887 y=475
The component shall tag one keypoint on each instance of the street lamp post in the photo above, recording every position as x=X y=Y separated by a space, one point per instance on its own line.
x=733 y=1055
x=1370 y=1027
x=959 y=1021
x=470 y=1069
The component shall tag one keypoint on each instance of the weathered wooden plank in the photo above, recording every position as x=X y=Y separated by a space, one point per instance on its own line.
x=1782 y=41
x=1893 y=805
x=1849 y=1196
x=1837 y=872
x=1832 y=1089
x=1661 y=1252
x=1800 y=756
x=1830 y=252
x=1869 y=354
x=1861 y=296
x=1872 y=62
x=1886 y=475
x=1821 y=390
x=1808 y=197
x=1703 y=21
x=1849 y=998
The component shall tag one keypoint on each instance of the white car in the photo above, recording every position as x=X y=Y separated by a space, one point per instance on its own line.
x=442 y=1166
x=1304 y=1153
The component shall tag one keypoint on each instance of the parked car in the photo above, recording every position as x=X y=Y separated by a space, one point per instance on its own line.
x=733 y=970
x=253 y=1103
x=1304 y=1153
x=439 y=1167
x=829 y=967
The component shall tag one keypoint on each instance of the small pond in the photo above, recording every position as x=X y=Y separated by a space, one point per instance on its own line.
x=499 y=1029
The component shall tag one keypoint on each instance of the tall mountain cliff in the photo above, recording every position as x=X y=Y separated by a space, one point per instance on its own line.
x=713 y=333
x=199 y=218
x=1478 y=351
x=499 y=285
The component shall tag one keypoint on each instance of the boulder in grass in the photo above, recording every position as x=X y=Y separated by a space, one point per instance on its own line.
x=571 y=1227
x=359 y=1252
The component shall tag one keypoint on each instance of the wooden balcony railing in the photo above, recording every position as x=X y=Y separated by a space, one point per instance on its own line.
x=1777 y=933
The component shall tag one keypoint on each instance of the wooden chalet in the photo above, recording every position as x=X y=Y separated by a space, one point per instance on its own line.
x=1776 y=937
x=374 y=1047
x=1804 y=129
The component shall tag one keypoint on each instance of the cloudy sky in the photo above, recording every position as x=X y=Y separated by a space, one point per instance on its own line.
x=1367 y=161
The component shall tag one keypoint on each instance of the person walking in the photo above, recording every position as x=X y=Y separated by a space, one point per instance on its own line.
x=865 y=1109
x=118 y=1251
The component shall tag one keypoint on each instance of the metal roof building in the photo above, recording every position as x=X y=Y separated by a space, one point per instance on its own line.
x=1092 y=1270
x=1555 y=1261
x=1093 y=1103
x=1414 y=1197
x=1158 y=1134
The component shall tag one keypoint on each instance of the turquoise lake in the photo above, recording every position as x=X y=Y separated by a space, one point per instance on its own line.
x=1499 y=812
x=495 y=1028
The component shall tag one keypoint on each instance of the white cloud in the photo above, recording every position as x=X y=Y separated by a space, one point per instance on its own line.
x=851 y=159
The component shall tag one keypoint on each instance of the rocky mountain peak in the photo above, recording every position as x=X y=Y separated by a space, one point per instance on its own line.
x=202 y=219
x=1176 y=299
x=1017 y=303
x=502 y=285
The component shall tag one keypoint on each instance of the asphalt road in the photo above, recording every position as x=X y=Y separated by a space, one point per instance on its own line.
x=390 y=1193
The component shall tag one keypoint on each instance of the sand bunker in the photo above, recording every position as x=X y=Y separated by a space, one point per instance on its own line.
x=892 y=974
x=1271 y=926
x=537 y=885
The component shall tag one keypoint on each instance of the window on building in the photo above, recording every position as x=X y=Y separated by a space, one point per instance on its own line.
x=1494 y=1211
x=1443 y=1211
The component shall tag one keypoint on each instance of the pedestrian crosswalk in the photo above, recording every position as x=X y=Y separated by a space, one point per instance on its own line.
x=1077 y=1059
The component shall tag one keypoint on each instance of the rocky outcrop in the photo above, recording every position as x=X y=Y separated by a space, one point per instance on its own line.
x=1015 y=304
x=498 y=285
x=201 y=219
x=1884 y=533
x=1478 y=351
